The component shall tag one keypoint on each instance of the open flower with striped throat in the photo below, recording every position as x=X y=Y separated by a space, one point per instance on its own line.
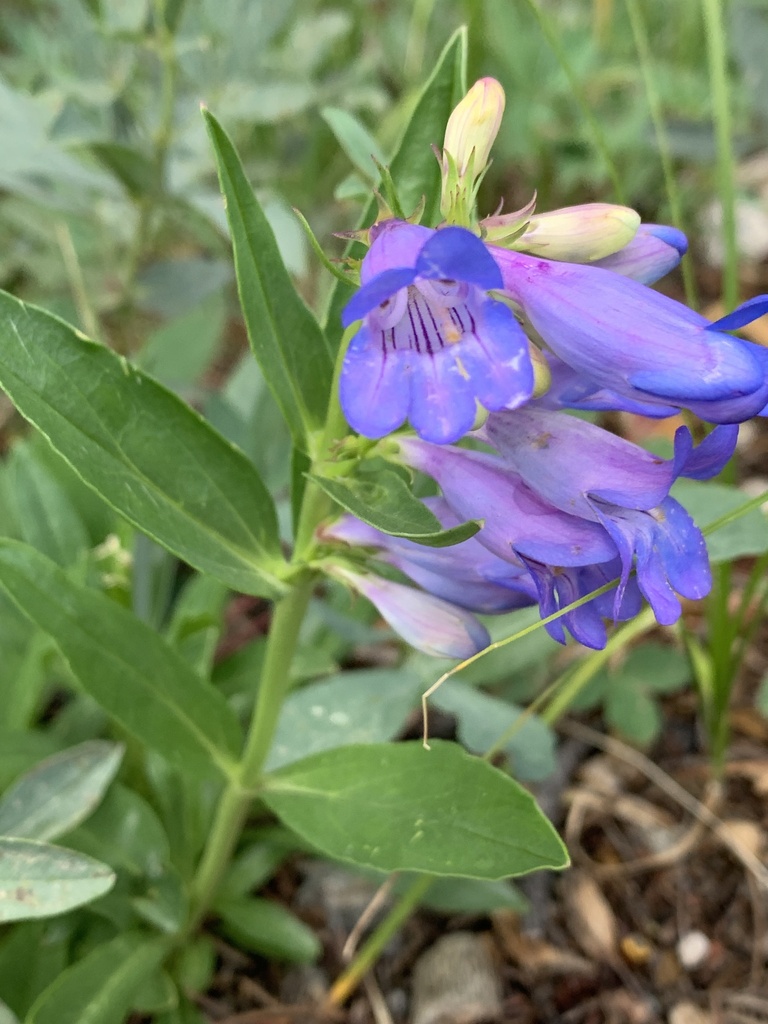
x=433 y=342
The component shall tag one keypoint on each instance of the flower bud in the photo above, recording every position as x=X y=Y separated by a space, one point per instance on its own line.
x=471 y=131
x=474 y=125
x=579 y=234
x=427 y=623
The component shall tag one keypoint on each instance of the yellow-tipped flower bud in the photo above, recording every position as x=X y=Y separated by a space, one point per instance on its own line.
x=471 y=131
x=474 y=125
x=579 y=234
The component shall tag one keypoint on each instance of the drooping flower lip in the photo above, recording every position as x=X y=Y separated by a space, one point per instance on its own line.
x=669 y=551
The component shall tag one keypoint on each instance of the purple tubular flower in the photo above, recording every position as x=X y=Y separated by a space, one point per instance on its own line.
x=518 y=523
x=570 y=389
x=425 y=622
x=561 y=552
x=653 y=252
x=465 y=574
x=432 y=342
x=584 y=470
x=639 y=343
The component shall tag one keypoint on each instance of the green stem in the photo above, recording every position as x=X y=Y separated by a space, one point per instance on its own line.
x=718 y=76
x=236 y=799
x=273 y=684
x=369 y=953
x=735 y=514
x=642 y=45
x=163 y=136
x=275 y=680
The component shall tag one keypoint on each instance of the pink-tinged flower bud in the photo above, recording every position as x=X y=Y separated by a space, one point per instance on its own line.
x=474 y=125
x=578 y=234
x=427 y=623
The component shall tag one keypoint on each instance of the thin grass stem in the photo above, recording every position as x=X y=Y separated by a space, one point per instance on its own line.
x=598 y=135
x=642 y=45
x=721 y=114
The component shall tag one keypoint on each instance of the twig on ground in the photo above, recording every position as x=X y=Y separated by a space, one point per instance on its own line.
x=378 y=900
x=674 y=791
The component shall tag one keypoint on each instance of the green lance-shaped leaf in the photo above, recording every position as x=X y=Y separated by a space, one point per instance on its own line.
x=138 y=678
x=414 y=169
x=399 y=807
x=386 y=503
x=100 y=988
x=60 y=792
x=38 y=880
x=284 y=335
x=355 y=140
x=262 y=926
x=147 y=453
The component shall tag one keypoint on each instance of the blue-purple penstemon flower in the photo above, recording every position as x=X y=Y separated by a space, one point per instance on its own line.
x=591 y=473
x=566 y=555
x=639 y=343
x=566 y=507
x=466 y=574
x=432 y=343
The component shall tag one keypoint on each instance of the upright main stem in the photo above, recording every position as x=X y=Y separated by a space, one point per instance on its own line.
x=236 y=799
x=273 y=686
